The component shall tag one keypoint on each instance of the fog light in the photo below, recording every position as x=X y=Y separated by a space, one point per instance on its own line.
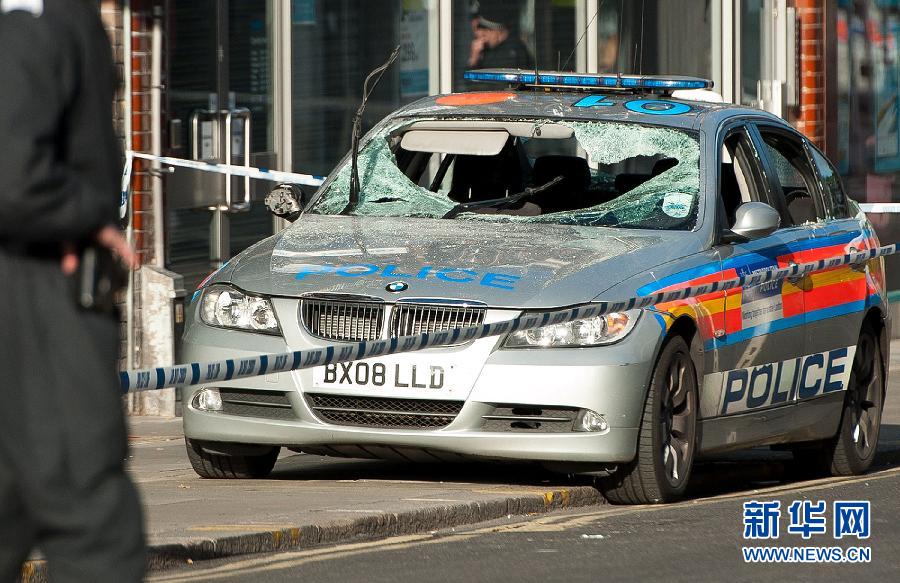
x=208 y=400
x=590 y=421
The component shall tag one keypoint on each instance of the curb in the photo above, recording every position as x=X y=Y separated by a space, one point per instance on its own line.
x=167 y=556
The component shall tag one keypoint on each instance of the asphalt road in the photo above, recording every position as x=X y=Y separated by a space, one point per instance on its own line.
x=696 y=540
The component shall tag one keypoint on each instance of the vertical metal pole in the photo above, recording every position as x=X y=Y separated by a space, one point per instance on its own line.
x=159 y=248
x=591 y=42
x=717 y=58
x=434 y=47
x=283 y=113
x=446 y=45
x=731 y=39
x=581 y=20
x=129 y=231
x=219 y=235
x=218 y=228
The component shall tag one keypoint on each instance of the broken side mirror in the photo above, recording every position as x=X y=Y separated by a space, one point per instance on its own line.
x=286 y=201
x=753 y=220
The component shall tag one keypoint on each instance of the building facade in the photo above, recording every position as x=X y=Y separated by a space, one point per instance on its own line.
x=275 y=84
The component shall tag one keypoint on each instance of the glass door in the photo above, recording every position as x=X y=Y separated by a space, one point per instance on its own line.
x=767 y=46
x=221 y=109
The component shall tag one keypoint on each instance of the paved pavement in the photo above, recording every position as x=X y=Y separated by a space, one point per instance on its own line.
x=312 y=500
x=307 y=495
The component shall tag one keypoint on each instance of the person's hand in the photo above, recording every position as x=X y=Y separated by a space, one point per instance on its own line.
x=476 y=49
x=110 y=237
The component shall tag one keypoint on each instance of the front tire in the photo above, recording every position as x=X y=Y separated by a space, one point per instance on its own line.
x=667 y=439
x=232 y=466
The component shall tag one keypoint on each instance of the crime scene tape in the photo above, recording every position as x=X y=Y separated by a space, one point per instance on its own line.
x=880 y=207
x=232 y=369
x=214 y=167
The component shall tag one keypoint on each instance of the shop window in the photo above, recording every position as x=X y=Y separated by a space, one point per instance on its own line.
x=650 y=37
x=512 y=34
x=335 y=44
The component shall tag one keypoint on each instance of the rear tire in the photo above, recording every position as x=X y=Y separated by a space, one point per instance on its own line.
x=235 y=466
x=852 y=450
x=667 y=440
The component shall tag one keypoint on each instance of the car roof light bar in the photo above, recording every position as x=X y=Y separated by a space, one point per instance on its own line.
x=588 y=81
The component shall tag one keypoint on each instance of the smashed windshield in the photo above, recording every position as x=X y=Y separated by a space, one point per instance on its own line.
x=542 y=171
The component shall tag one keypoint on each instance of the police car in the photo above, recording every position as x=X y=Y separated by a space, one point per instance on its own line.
x=547 y=191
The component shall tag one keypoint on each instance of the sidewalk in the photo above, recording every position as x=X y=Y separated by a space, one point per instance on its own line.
x=311 y=499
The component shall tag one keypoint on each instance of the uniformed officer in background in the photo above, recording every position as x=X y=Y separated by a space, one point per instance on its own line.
x=63 y=487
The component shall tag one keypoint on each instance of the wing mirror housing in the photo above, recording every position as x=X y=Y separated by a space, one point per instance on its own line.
x=753 y=220
x=286 y=201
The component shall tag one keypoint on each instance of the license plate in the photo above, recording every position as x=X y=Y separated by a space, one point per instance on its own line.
x=381 y=374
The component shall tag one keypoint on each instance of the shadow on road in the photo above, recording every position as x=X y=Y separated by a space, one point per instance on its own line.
x=310 y=467
x=721 y=474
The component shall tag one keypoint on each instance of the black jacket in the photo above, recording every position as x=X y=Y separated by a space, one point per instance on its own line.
x=60 y=160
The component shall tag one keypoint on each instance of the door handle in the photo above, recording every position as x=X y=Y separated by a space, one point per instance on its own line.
x=244 y=116
x=860 y=267
x=795 y=279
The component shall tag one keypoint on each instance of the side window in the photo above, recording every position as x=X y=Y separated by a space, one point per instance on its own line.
x=835 y=198
x=740 y=177
x=795 y=176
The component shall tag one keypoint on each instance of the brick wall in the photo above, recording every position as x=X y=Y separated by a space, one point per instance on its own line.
x=112 y=14
x=812 y=112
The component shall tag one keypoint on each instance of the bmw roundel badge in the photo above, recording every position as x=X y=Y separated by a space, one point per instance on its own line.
x=397 y=286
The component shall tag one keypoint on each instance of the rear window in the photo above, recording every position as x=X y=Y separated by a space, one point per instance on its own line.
x=546 y=171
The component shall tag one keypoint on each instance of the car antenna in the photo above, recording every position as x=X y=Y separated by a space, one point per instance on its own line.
x=537 y=48
x=357 y=125
x=619 y=41
x=583 y=34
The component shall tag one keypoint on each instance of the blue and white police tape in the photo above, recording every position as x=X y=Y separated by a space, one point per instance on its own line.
x=214 y=167
x=880 y=207
x=126 y=182
x=232 y=369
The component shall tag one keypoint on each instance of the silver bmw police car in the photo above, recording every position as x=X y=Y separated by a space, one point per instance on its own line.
x=547 y=192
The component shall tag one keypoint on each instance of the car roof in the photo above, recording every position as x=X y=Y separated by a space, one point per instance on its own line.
x=581 y=105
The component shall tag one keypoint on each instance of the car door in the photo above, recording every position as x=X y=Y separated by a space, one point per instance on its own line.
x=763 y=336
x=837 y=298
x=834 y=299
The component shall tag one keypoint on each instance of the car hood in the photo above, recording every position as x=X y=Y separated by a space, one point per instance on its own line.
x=512 y=265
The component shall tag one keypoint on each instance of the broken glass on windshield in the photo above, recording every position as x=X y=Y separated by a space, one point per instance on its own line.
x=547 y=171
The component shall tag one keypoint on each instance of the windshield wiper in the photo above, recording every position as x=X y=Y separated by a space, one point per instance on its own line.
x=357 y=125
x=501 y=203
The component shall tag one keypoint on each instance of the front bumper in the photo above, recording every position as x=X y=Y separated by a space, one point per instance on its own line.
x=609 y=380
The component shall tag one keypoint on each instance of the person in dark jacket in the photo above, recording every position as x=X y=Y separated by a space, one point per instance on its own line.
x=63 y=487
x=496 y=43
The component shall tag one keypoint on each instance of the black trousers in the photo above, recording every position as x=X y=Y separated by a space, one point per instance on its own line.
x=63 y=487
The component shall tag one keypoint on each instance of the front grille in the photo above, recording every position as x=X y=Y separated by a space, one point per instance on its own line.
x=342 y=320
x=530 y=418
x=383 y=412
x=412 y=319
x=348 y=319
x=249 y=403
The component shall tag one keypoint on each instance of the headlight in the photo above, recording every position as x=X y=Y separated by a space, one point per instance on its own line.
x=227 y=307
x=590 y=332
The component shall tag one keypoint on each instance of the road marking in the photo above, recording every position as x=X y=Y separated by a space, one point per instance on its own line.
x=430 y=500
x=560 y=523
x=297 y=558
x=238 y=527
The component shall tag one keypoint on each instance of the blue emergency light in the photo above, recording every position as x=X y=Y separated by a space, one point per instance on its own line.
x=587 y=81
